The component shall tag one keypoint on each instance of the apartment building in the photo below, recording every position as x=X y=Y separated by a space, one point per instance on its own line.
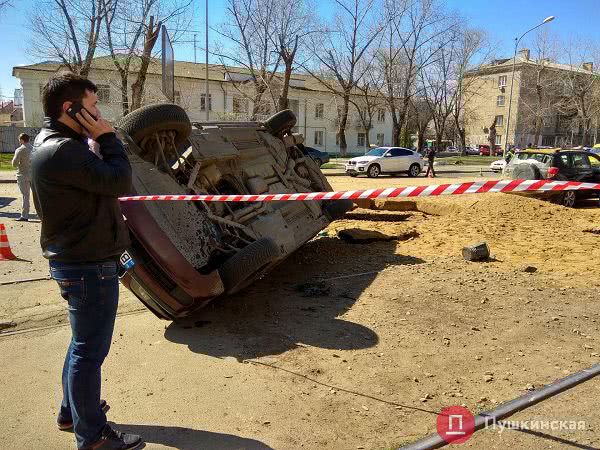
x=544 y=110
x=315 y=107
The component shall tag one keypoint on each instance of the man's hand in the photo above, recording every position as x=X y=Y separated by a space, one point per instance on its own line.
x=95 y=128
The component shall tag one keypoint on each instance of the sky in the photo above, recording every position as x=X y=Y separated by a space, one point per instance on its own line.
x=502 y=19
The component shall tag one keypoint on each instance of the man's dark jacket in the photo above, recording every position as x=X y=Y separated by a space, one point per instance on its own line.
x=76 y=194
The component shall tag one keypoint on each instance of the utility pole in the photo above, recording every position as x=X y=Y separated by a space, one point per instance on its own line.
x=206 y=100
x=195 y=48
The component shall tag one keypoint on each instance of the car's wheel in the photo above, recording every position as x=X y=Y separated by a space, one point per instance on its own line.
x=147 y=120
x=414 y=170
x=568 y=199
x=373 y=171
x=280 y=122
x=242 y=268
x=526 y=172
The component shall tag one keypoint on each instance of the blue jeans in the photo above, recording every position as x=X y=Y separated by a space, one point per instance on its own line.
x=92 y=291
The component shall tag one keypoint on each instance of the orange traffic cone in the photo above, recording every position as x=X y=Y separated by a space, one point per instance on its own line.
x=6 y=253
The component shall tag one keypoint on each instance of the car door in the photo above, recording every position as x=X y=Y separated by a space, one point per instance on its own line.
x=387 y=161
x=581 y=167
x=595 y=163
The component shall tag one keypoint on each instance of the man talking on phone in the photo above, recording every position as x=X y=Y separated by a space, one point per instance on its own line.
x=83 y=234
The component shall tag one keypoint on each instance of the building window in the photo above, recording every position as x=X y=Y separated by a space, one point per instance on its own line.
x=203 y=102
x=319 y=107
x=381 y=115
x=103 y=93
x=499 y=121
x=502 y=81
x=240 y=105
x=500 y=100
x=499 y=139
x=319 y=138
x=361 y=139
x=380 y=139
x=177 y=97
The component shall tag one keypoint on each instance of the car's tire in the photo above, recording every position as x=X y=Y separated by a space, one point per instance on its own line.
x=568 y=199
x=336 y=209
x=280 y=122
x=154 y=118
x=526 y=172
x=353 y=175
x=238 y=271
x=374 y=171
x=414 y=170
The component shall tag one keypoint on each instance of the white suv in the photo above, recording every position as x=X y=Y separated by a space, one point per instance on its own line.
x=386 y=160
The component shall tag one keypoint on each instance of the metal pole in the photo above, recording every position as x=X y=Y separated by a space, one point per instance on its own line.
x=206 y=100
x=517 y=40
x=492 y=417
x=195 y=48
x=512 y=82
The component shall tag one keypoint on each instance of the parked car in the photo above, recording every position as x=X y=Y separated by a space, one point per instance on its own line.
x=498 y=166
x=470 y=150
x=596 y=149
x=386 y=160
x=188 y=253
x=484 y=150
x=317 y=155
x=556 y=164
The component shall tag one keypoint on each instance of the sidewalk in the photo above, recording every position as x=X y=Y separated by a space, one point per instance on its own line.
x=8 y=176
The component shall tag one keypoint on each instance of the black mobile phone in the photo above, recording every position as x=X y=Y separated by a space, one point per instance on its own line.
x=77 y=108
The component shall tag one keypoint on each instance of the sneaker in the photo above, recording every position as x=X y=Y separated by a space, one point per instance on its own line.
x=115 y=440
x=22 y=219
x=67 y=424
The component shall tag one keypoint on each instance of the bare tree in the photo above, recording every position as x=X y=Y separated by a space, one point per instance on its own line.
x=71 y=36
x=472 y=52
x=249 y=31
x=421 y=115
x=294 y=22
x=368 y=101
x=5 y=4
x=132 y=29
x=580 y=88
x=343 y=57
x=412 y=28
x=540 y=85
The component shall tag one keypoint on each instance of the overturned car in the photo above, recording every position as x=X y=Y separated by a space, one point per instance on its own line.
x=188 y=253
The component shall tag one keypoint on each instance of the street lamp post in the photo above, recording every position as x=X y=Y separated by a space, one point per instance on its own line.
x=206 y=100
x=512 y=81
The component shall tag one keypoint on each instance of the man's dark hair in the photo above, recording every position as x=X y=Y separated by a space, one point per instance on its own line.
x=24 y=137
x=64 y=87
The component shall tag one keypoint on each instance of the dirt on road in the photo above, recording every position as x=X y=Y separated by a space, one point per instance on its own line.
x=361 y=345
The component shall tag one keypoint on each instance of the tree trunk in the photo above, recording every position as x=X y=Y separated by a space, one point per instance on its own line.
x=137 y=88
x=341 y=133
x=420 y=139
x=283 y=98
x=367 y=140
x=124 y=92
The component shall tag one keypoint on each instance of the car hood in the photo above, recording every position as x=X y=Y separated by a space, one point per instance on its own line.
x=365 y=158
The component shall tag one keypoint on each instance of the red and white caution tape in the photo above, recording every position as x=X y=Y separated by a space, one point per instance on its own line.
x=473 y=187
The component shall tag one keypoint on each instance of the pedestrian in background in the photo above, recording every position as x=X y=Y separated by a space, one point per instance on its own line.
x=83 y=235
x=22 y=161
x=431 y=160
